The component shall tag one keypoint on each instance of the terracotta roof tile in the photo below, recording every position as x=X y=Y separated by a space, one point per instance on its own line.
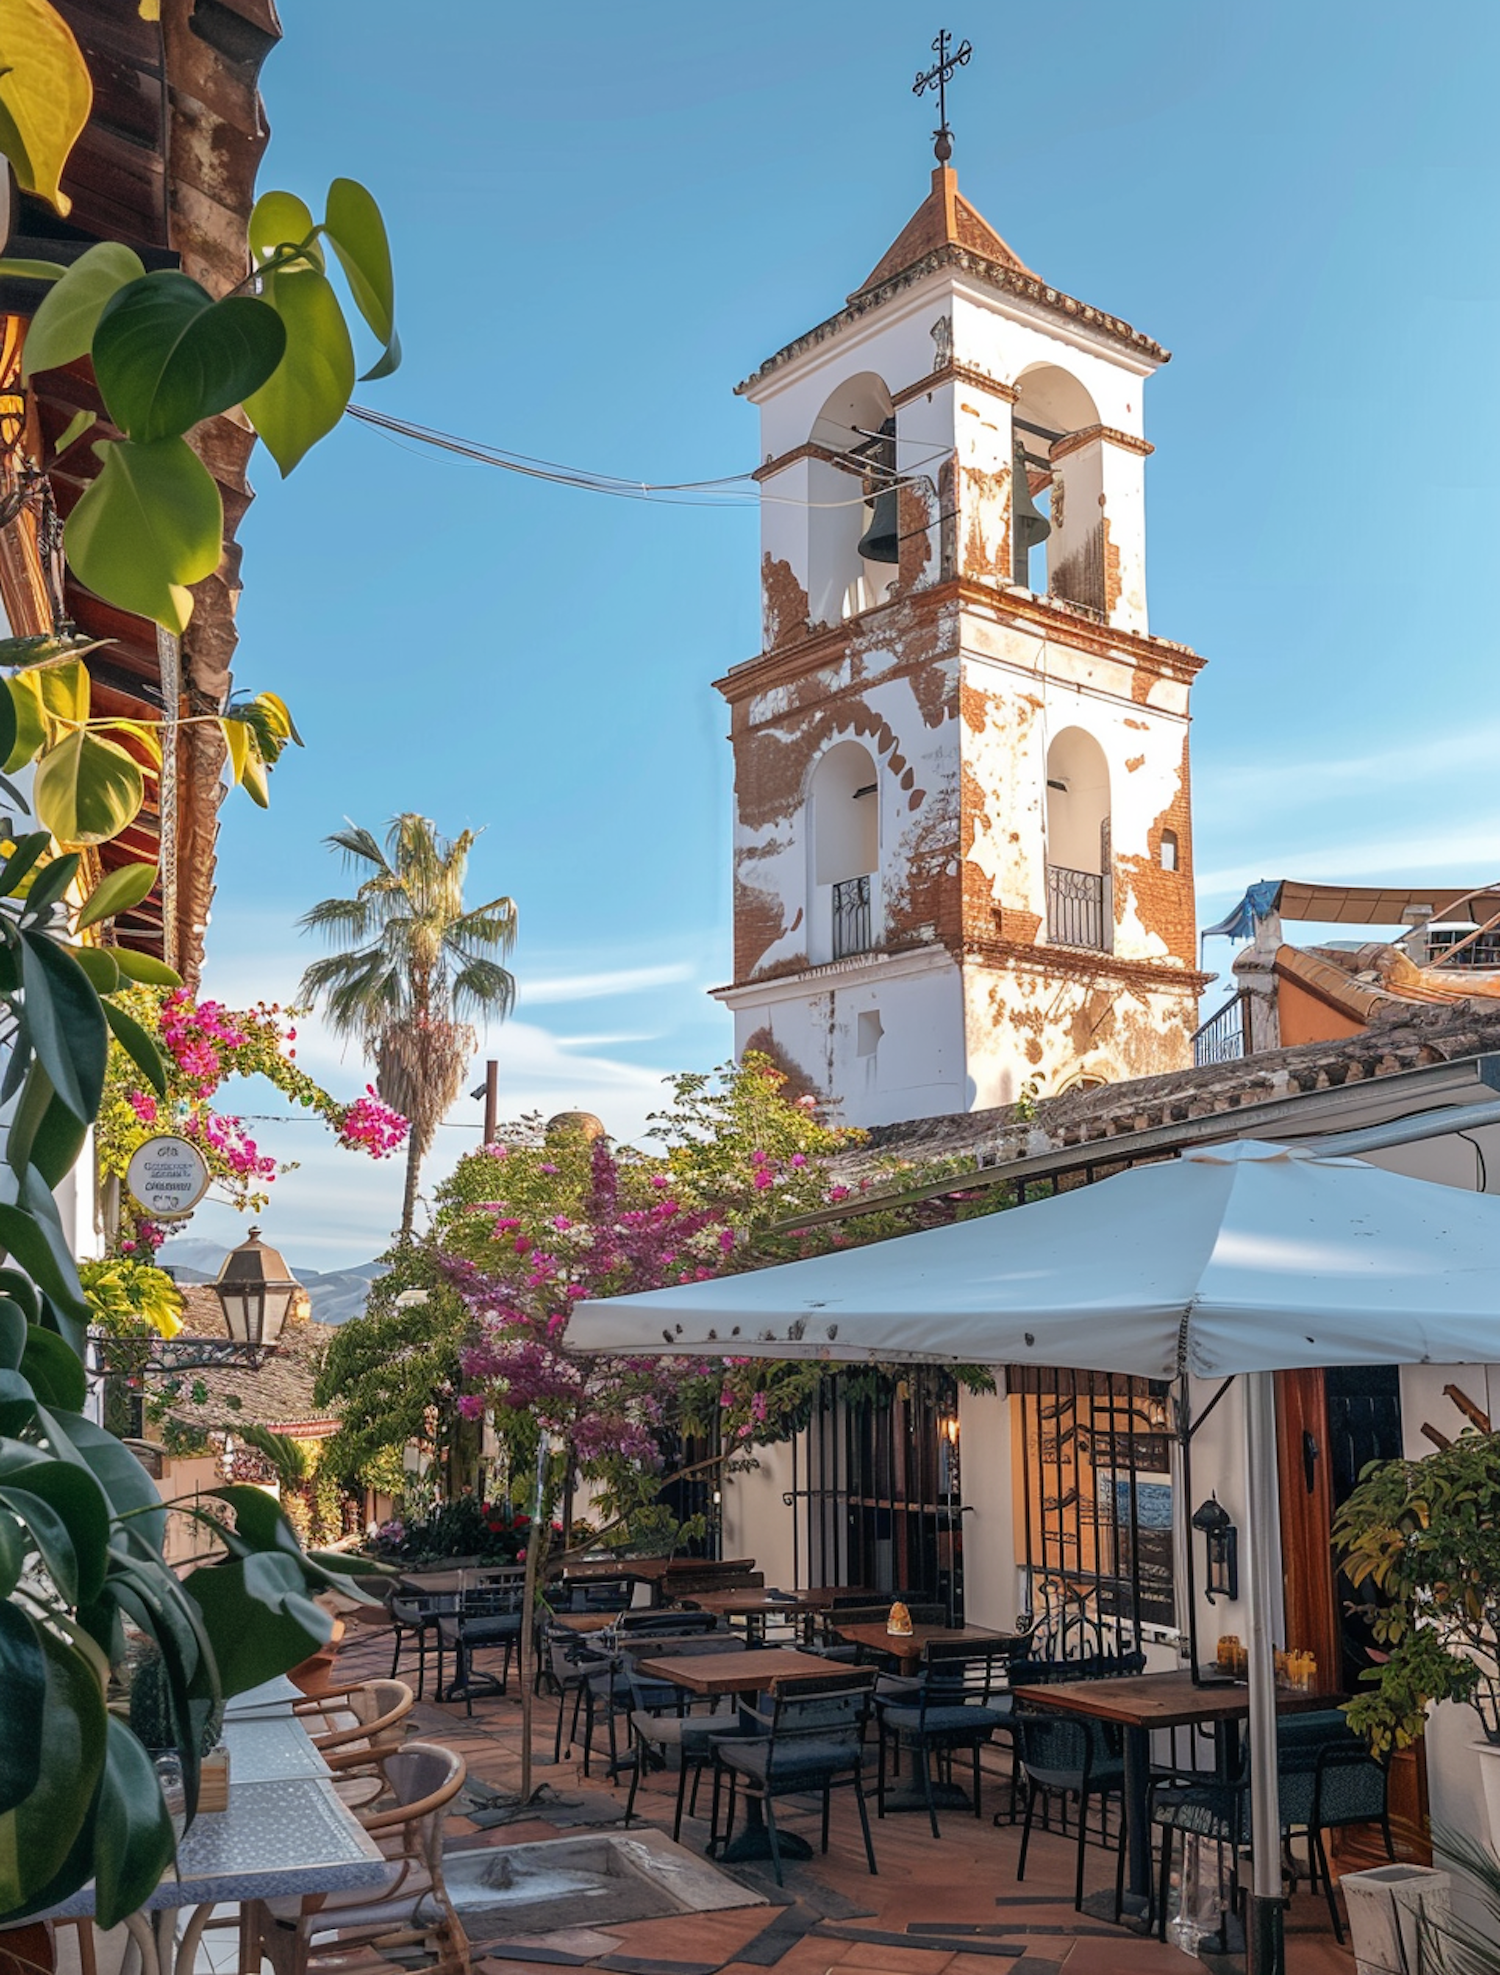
x=944 y=219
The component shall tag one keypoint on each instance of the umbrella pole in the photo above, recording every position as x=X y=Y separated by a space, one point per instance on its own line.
x=1265 y=1945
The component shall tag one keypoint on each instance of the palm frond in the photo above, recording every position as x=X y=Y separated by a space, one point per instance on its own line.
x=358 y=846
x=338 y=915
x=483 y=987
x=1451 y=1943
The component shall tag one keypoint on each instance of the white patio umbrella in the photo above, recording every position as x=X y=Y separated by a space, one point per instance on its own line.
x=1246 y=1258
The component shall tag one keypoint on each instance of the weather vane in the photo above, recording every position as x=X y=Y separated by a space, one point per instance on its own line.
x=938 y=77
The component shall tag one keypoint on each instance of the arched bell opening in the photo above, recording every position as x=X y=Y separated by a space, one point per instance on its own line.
x=853 y=546
x=1057 y=535
x=843 y=853
x=1080 y=908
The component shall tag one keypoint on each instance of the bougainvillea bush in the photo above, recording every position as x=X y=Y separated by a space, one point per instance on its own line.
x=203 y=1044
x=489 y=1532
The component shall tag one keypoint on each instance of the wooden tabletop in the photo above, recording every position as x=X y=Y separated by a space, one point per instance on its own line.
x=584 y=1621
x=749 y=1603
x=440 y=1583
x=650 y=1569
x=737 y=1673
x=909 y=1645
x=1163 y=1700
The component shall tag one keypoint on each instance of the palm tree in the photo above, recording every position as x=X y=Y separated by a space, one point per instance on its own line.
x=413 y=965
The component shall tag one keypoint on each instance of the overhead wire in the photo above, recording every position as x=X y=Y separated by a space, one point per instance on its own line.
x=729 y=490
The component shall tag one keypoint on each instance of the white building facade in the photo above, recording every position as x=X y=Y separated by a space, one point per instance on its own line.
x=963 y=844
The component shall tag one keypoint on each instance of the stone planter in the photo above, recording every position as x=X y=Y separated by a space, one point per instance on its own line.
x=1385 y=1910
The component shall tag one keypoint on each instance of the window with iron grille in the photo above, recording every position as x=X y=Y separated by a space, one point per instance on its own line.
x=1095 y=1509
x=876 y=1490
x=851 y=917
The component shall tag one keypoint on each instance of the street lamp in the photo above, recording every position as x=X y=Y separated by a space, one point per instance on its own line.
x=255 y=1288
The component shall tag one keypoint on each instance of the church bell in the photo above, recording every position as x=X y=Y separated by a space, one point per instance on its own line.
x=881 y=541
x=1029 y=527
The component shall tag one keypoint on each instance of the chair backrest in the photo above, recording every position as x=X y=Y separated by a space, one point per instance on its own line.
x=1092 y=1666
x=1057 y=1749
x=378 y=1707
x=679 y=1624
x=497 y=1600
x=424 y=1779
x=820 y=1720
x=961 y=1672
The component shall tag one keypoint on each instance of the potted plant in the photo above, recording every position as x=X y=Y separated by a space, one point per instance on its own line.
x=1424 y=1538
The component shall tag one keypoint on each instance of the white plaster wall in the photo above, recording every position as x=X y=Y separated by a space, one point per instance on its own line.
x=1024 y=1024
x=991 y=1584
x=755 y=1522
x=917 y=1067
x=1123 y=505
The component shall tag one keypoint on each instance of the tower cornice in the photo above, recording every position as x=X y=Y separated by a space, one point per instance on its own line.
x=795 y=657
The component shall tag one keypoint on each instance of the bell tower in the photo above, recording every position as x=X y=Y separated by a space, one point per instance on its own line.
x=963 y=843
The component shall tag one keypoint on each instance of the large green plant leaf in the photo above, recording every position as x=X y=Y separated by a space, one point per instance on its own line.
x=149 y=525
x=23 y=1682
x=87 y=789
x=117 y=892
x=311 y=386
x=45 y=96
x=131 y=1491
x=18 y=866
x=259 y=1617
x=145 y=968
x=139 y=1046
x=75 y=1504
x=356 y=232
x=63 y=327
x=12 y=1552
x=38 y=1244
x=55 y=1373
x=281 y=219
x=133 y=1840
x=99 y=964
x=37 y=1837
x=64 y=1022
x=14 y=1331
x=167 y=355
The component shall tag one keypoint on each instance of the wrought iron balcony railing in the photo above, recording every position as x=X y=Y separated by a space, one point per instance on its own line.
x=1075 y=908
x=851 y=917
x=1225 y=1036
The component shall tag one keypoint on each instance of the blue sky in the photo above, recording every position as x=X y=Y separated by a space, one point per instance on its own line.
x=603 y=217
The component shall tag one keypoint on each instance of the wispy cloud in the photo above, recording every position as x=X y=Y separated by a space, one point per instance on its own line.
x=1471 y=857
x=599 y=987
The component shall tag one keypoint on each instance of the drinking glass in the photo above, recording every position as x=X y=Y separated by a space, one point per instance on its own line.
x=168 y=1766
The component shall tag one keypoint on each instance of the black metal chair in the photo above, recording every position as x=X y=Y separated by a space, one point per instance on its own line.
x=414 y=1615
x=1075 y=1757
x=492 y=1615
x=813 y=1740
x=668 y=1624
x=960 y=1700
x=667 y=1721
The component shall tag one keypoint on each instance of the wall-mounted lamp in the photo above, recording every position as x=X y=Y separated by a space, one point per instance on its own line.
x=1223 y=1541
x=950 y=1429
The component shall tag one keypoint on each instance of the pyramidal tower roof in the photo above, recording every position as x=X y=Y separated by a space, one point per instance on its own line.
x=944 y=219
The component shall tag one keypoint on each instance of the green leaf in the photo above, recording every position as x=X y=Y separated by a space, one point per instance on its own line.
x=32 y=1232
x=14 y=1331
x=139 y=1046
x=259 y=1518
x=63 y=327
x=49 y=884
x=55 y=1373
x=9 y=726
x=48 y=1531
x=37 y=1837
x=20 y=1290
x=124 y=1481
x=65 y=1023
x=87 y=789
x=30 y=728
x=59 y=1140
x=77 y=1502
x=98 y=962
x=145 y=968
x=73 y=431
x=259 y=1618
x=117 y=892
x=45 y=97
x=133 y=1838
x=31 y=270
x=237 y=747
x=281 y=219
x=12 y=1553
x=356 y=232
x=311 y=386
x=167 y=355
x=23 y=1681
x=21 y=860
x=149 y=525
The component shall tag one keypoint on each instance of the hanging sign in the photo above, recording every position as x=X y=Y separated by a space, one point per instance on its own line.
x=167 y=1177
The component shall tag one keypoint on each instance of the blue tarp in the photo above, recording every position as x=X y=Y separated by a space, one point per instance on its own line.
x=1259 y=902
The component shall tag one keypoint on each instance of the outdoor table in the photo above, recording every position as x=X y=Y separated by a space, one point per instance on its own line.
x=757 y=1671
x=284 y=1834
x=907 y=1647
x=756 y=1605
x=449 y=1583
x=1139 y=1703
x=584 y=1621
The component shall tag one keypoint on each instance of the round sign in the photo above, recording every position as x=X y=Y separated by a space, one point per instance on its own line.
x=168 y=1177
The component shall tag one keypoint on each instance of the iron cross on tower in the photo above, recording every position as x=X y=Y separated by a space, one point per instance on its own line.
x=938 y=77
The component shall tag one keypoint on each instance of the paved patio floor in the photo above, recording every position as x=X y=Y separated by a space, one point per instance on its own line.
x=945 y=1907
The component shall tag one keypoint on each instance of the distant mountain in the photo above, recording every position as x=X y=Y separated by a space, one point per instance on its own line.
x=336 y=1294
